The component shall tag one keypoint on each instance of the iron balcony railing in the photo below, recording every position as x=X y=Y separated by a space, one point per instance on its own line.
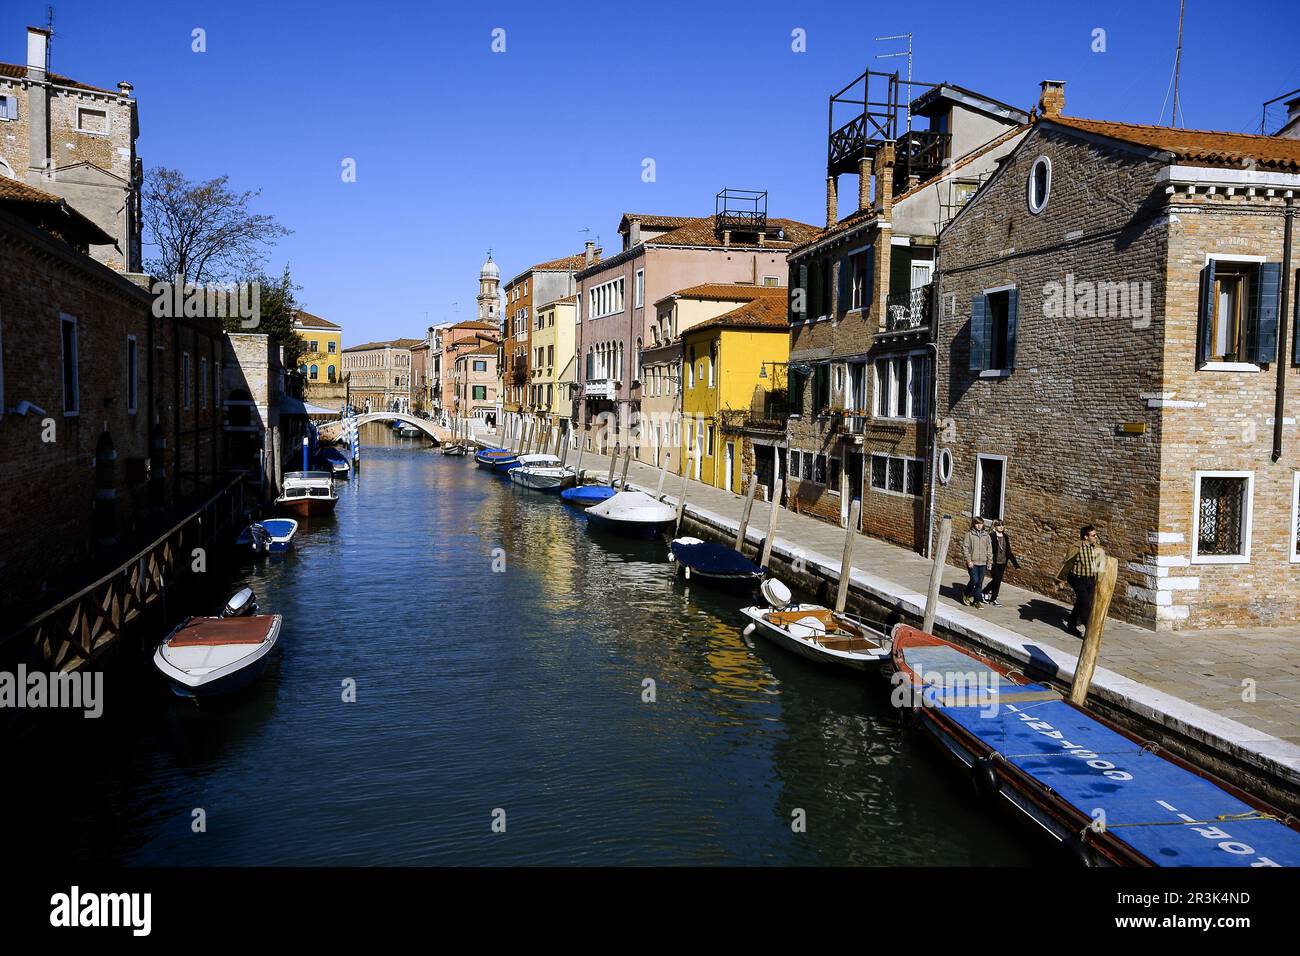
x=908 y=310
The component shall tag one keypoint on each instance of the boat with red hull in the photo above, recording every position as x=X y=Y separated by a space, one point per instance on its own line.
x=307 y=493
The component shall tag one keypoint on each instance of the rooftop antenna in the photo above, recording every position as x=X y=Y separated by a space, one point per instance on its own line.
x=908 y=54
x=1178 y=63
x=49 y=25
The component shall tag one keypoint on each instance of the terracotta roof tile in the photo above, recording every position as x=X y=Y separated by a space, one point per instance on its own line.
x=13 y=189
x=768 y=312
x=1198 y=147
x=395 y=343
x=567 y=263
x=303 y=317
x=724 y=291
x=18 y=72
x=699 y=232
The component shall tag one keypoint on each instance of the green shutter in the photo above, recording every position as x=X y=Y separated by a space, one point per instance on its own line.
x=1205 y=319
x=869 y=278
x=821 y=387
x=842 y=286
x=1295 y=326
x=796 y=391
x=1265 y=303
x=803 y=285
x=1013 y=309
x=979 y=332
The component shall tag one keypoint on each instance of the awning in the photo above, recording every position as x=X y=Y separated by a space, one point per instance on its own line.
x=296 y=406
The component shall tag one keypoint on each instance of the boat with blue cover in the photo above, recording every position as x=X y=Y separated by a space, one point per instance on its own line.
x=490 y=457
x=331 y=459
x=584 y=496
x=1107 y=795
x=268 y=536
x=714 y=563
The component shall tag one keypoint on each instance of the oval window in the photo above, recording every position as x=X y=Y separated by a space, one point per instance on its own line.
x=945 y=466
x=1040 y=184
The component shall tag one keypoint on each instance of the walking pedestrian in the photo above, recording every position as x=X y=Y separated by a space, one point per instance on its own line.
x=1083 y=562
x=1002 y=554
x=978 y=552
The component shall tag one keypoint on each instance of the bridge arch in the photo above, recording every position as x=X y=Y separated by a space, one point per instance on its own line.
x=331 y=431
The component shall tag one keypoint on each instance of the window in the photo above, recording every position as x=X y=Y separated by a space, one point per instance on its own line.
x=313 y=374
x=640 y=288
x=795 y=458
x=132 y=375
x=605 y=299
x=797 y=376
x=821 y=387
x=203 y=381
x=1223 y=516
x=332 y=347
x=1240 y=303
x=993 y=323
x=861 y=284
x=1040 y=184
x=901 y=386
x=990 y=487
x=896 y=475
x=819 y=469
x=185 y=380
x=91 y=121
x=313 y=345
x=71 y=373
x=771 y=282
x=8 y=107
x=331 y=373
x=480 y=365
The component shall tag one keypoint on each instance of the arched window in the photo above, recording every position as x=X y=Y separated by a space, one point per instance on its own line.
x=331 y=373
x=619 y=373
x=302 y=369
x=315 y=370
x=636 y=361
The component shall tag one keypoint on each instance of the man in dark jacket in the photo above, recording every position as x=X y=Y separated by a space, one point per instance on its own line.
x=1083 y=562
x=1002 y=553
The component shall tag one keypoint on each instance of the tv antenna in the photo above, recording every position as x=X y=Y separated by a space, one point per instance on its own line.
x=1178 y=68
x=907 y=53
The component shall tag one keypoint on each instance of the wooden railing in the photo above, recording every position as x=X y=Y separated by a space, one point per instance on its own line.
x=83 y=626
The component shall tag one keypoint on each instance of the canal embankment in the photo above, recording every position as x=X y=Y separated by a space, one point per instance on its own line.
x=1226 y=700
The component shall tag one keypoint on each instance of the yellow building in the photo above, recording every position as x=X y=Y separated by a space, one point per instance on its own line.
x=322 y=356
x=729 y=368
x=551 y=360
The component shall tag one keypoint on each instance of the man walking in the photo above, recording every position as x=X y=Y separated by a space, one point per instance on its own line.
x=1083 y=563
x=1000 y=541
x=978 y=552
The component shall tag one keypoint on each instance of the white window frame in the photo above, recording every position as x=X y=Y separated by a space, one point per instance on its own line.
x=639 y=288
x=75 y=410
x=1039 y=161
x=1295 y=516
x=132 y=375
x=1231 y=366
x=3 y=116
x=894 y=413
x=1244 y=558
x=979 y=486
x=868 y=486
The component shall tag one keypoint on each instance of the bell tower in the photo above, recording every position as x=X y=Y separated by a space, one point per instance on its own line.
x=489 y=278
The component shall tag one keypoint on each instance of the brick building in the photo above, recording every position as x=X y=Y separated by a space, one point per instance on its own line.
x=1117 y=347
x=379 y=374
x=861 y=363
x=77 y=142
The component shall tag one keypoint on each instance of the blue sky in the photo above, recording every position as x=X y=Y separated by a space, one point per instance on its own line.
x=458 y=148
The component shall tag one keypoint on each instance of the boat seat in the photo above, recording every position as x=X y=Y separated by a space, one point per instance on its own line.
x=214 y=632
x=786 y=618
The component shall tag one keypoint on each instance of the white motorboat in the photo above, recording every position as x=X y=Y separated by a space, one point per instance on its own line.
x=307 y=493
x=632 y=513
x=816 y=632
x=543 y=473
x=208 y=656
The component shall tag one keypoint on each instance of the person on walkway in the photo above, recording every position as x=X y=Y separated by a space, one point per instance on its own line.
x=1083 y=562
x=1002 y=554
x=978 y=552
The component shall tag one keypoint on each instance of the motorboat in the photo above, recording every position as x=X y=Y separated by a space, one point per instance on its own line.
x=543 y=473
x=307 y=493
x=489 y=458
x=584 y=496
x=816 y=632
x=632 y=513
x=209 y=656
x=714 y=563
x=334 y=461
x=456 y=450
x=1027 y=748
x=269 y=536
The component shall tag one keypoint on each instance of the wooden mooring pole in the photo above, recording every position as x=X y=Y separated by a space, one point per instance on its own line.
x=936 y=574
x=1101 y=595
x=744 y=516
x=627 y=463
x=771 y=522
x=681 y=503
x=846 y=564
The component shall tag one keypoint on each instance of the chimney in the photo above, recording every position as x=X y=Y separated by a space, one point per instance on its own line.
x=588 y=254
x=634 y=233
x=38 y=52
x=832 y=202
x=884 y=163
x=1051 y=102
x=1292 y=108
x=125 y=88
x=864 y=183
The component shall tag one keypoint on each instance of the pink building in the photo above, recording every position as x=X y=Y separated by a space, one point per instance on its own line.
x=450 y=342
x=660 y=255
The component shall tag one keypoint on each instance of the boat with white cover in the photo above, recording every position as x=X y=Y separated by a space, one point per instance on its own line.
x=307 y=493
x=632 y=513
x=816 y=632
x=543 y=473
x=208 y=656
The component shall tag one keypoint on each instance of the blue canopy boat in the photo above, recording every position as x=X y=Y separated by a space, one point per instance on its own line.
x=490 y=457
x=715 y=563
x=334 y=461
x=1106 y=794
x=269 y=536
x=584 y=496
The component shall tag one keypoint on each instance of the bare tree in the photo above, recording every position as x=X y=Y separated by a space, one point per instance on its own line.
x=204 y=231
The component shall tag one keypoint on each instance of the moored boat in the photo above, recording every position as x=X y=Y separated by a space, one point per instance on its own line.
x=307 y=493
x=456 y=450
x=490 y=457
x=209 y=656
x=714 y=563
x=269 y=536
x=334 y=461
x=632 y=513
x=542 y=473
x=1107 y=795
x=815 y=632
x=584 y=496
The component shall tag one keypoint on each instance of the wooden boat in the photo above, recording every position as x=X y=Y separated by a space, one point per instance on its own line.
x=632 y=513
x=584 y=496
x=489 y=457
x=714 y=563
x=542 y=473
x=408 y=431
x=455 y=450
x=334 y=461
x=1028 y=749
x=208 y=656
x=307 y=493
x=269 y=536
x=816 y=632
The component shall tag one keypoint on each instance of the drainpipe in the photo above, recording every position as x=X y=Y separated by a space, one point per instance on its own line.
x=933 y=346
x=1282 y=360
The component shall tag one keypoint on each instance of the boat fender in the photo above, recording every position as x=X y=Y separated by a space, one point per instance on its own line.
x=688 y=572
x=749 y=629
x=671 y=557
x=985 y=777
x=1078 y=851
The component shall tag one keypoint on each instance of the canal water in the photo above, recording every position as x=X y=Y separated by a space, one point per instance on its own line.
x=500 y=655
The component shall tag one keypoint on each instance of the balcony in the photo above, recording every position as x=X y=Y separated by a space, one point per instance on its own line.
x=908 y=311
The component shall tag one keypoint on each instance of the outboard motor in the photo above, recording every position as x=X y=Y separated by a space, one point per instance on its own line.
x=261 y=538
x=242 y=603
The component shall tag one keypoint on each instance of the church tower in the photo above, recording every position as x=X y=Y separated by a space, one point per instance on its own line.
x=489 y=277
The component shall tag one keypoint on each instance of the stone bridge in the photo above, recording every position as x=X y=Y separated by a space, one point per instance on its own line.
x=331 y=431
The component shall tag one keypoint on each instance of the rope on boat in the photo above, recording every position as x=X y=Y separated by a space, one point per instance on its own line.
x=1251 y=816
